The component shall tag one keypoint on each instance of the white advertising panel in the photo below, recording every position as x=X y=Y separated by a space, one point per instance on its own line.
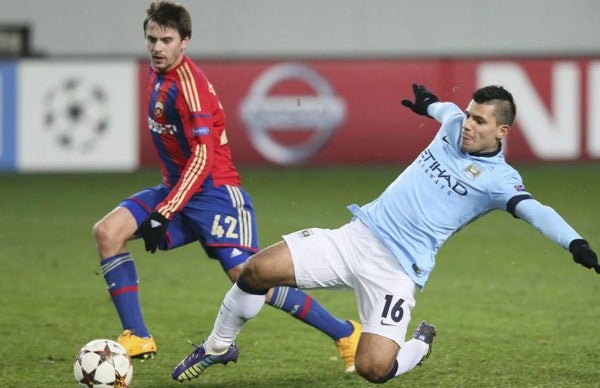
x=77 y=116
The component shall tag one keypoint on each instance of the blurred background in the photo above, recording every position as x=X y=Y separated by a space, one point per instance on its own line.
x=302 y=82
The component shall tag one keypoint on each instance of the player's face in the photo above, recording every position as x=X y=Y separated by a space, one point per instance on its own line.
x=481 y=132
x=165 y=46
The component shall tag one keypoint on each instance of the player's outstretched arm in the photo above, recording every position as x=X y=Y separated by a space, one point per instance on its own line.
x=548 y=222
x=584 y=255
x=423 y=98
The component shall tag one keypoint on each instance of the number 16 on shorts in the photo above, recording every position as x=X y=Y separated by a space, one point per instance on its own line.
x=392 y=311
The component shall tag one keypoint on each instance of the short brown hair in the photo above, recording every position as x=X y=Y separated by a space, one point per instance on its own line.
x=168 y=14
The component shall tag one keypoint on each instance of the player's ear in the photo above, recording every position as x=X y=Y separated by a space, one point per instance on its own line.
x=184 y=43
x=502 y=131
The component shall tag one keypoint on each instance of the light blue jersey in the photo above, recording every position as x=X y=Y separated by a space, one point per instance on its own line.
x=443 y=190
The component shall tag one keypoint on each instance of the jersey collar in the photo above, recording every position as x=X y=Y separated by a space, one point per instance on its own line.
x=487 y=154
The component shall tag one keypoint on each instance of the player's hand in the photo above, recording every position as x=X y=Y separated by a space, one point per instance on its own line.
x=423 y=98
x=584 y=255
x=153 y=230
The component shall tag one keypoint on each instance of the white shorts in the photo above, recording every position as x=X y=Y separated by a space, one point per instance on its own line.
x=352 y=258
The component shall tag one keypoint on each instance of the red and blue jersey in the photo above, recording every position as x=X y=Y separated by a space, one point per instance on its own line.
x=187 y=123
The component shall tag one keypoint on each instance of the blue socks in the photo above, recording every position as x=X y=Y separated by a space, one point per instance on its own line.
x=303 y=307
x=122 y=282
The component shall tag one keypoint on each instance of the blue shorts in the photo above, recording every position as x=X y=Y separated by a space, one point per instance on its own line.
x=220 y=218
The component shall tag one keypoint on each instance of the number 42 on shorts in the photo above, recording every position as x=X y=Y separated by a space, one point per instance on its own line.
x=219 y=226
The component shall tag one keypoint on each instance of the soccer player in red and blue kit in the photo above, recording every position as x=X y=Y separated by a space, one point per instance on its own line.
x=200 y=198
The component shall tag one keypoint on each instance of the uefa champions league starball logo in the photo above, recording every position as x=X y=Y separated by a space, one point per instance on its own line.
x=76 y=114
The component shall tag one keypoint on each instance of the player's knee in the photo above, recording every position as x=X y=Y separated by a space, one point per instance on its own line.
x=107 y=241
x=252 y=275
x=373 y=371
x=247 y=284
x=100 y=231
x=373 y=375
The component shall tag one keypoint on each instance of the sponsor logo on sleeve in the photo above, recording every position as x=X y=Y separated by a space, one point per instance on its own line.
x=200 y=131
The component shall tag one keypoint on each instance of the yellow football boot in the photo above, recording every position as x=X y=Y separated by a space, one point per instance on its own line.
x=137 y=347
x=347 y=346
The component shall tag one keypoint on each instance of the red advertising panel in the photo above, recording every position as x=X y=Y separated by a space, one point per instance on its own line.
x=325 y=112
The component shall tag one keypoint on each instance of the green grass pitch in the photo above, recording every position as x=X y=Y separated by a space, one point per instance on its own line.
x=511 y=308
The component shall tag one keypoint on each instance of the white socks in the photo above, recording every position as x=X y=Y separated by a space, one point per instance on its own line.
x=410 y=354
x=237 y=308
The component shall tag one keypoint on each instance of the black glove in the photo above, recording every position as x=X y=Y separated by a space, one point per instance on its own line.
x=423 y=98
x=153 y=230
x=584 y=255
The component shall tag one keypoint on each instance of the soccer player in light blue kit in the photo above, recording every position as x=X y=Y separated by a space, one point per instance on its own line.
x=388 y=249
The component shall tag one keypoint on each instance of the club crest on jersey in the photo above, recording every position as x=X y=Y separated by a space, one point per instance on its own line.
x=472 y=171
x=159 y=108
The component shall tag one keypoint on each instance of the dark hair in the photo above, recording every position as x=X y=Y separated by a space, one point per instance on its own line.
x=168 y=14
x=506 y=109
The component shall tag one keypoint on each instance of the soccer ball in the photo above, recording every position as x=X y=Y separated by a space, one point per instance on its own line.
x=103 y=363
